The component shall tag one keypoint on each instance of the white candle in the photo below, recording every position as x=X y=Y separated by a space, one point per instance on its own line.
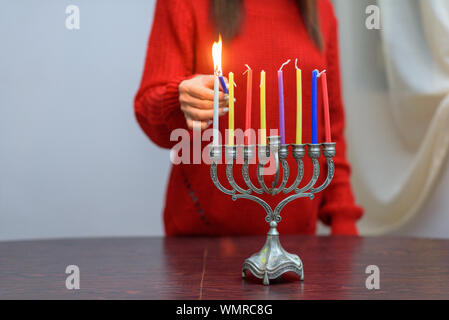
x=215 y=125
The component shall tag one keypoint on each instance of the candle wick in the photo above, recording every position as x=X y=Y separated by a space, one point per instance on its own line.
x=284 y=64
x=319 y=74
x=296 y=63
x=248 y=68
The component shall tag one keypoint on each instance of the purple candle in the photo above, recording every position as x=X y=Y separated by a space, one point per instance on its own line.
x=281 y=103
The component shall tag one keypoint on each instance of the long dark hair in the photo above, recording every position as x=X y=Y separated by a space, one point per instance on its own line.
x=227 y=16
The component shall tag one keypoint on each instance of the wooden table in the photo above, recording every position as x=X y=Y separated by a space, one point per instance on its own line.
x=209 y=268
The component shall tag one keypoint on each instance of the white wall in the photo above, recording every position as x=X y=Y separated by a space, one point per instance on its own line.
x=73 y=161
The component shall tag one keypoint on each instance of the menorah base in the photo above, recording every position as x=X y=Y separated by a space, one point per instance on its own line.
x=273 y=261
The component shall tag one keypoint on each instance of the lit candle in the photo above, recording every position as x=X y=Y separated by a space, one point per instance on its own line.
x=216 y=55
x=215 y=121
x=298 y=104
x=217 y=64
x=231 y=109
x=263 y=120
x=249 y=95
x=327 y=122
x=314 y=107
x=281 y=103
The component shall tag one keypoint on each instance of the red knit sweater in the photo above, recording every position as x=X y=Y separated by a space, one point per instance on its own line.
x=272 y=32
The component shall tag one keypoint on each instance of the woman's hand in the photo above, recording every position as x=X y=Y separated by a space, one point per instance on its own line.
x=196 y=96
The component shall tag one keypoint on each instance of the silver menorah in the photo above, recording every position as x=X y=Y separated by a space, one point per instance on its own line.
x=272 y=260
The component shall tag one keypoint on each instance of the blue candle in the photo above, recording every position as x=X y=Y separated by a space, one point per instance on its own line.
x=314 y=107
x=223 y=85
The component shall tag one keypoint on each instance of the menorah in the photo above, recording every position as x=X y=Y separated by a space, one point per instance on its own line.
x=272 y=260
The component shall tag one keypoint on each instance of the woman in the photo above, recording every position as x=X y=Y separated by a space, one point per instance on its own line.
x=176 y=90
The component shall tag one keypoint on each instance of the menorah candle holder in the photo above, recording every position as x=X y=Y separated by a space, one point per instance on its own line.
x=272 y=260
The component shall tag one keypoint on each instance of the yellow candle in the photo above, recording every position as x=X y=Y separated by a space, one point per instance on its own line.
x=231 y=109
x=298 y=106
x=263 y=120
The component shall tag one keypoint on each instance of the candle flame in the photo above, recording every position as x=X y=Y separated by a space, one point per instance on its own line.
x=216 y=55
x=248 y=68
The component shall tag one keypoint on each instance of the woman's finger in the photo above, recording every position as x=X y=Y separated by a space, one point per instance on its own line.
x=205 y=93
x=199 y=103
x=194 y=124
x=201 y=114
x=203 y=88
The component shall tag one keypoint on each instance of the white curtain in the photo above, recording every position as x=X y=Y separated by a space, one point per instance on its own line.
x=397 y=101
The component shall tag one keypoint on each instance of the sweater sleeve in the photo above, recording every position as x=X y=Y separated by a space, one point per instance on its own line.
x=338 y=208
x=169 y=60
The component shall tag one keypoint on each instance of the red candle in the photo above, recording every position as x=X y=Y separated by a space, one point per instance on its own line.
x=249 y=95
x=327 y=122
